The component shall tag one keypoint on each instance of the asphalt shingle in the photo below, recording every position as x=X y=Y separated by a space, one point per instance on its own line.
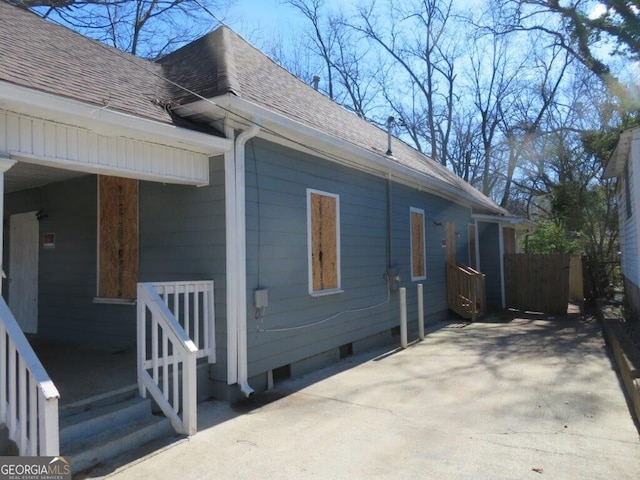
x=41 y=55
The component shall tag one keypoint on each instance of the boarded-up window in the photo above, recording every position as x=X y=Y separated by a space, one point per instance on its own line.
x=323 y=229
x=117 y=237
x=418 y=250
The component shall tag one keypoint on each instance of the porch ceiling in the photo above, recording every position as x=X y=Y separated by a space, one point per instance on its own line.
x=23 y=176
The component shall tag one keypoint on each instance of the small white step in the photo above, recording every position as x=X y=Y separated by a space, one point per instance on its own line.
x=91 y=452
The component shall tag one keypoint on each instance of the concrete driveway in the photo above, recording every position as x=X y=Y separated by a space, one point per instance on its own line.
x=527 y=398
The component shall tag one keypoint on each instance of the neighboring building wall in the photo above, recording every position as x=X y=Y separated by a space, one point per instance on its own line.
x=277 y=183
x=489 y=236
x=628 y=212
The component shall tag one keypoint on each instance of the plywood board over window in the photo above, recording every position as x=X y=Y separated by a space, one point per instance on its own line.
x=418 y=250
x=323 y=229
x=117 y=237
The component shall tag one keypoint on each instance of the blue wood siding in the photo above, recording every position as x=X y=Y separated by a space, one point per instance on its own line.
x=489 y=236
x=277 y=181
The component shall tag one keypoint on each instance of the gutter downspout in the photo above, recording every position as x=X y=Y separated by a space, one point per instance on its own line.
x=241 y=256
x=232 y=273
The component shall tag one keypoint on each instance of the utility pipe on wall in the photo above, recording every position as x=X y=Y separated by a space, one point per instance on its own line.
x=403 y=317
x=420 y=313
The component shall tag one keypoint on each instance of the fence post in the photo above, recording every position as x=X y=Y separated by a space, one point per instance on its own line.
x=420 y=313
x=403 y=317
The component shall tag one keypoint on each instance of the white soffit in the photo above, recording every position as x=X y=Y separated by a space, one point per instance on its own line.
x=23 y=176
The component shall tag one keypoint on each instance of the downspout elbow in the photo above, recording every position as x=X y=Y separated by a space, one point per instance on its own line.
x=245 y=388
x=247 y=135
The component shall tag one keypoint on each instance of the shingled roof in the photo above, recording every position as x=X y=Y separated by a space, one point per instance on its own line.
x=50 y=58
x=224 y=63
x=41 y=55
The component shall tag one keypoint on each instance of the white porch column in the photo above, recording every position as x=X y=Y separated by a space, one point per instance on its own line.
x=5 y=164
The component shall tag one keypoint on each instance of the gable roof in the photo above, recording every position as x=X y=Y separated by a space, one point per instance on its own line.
x=223 y=63
x=41 y=55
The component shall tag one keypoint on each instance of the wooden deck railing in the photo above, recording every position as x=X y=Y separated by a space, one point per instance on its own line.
x=465 y=291
x=166 y=361
x=28 y=397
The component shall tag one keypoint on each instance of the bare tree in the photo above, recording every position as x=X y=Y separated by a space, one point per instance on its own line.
x=147 y=28
x=494 y=78
x=348 y=78
x=576 y=27
x=420 y=88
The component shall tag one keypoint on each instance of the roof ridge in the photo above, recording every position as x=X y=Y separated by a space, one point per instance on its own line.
x=228 y=63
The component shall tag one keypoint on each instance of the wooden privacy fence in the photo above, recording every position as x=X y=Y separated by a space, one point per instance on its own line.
x=537 y=282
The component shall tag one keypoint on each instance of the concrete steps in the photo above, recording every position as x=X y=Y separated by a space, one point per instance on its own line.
x=104 y=427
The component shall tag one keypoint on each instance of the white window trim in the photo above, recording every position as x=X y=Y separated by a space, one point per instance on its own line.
x=420 y=211
x=329 y=291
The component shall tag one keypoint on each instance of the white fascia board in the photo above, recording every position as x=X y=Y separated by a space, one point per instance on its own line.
x=616 y=163
x=108 y=122
x=519 y=223
x=358 y=157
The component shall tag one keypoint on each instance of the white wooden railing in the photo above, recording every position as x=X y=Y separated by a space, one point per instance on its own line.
x=28 y=397
x=193 y=307
x=166 y=361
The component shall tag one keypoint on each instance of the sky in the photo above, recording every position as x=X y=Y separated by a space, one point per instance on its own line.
x=257 y=18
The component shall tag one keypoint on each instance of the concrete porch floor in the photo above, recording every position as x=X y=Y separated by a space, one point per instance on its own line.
x=81 y=372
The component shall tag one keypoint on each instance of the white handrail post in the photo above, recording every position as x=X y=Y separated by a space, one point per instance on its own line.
x=189 y=394
x=420 y=312
x=49 y=437
x=403 y=317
